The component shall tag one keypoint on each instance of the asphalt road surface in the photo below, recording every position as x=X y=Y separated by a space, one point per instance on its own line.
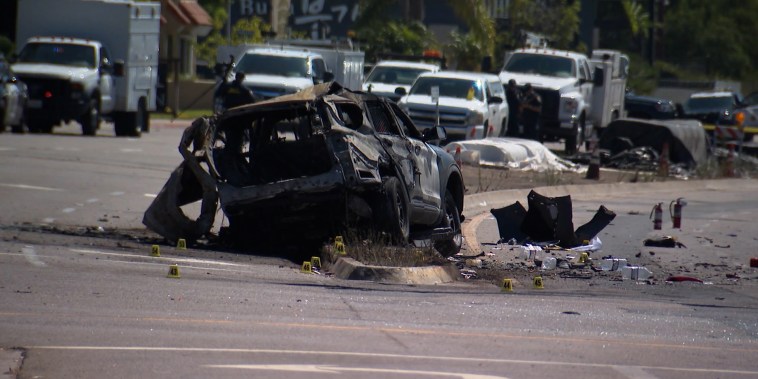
x=76 y=304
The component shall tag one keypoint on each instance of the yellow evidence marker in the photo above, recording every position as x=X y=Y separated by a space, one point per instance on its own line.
x=507 y=285
x=173 y=271
x=155 y=251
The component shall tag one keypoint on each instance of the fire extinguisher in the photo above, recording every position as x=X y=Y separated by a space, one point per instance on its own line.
x=675 y=209
x=657 y=215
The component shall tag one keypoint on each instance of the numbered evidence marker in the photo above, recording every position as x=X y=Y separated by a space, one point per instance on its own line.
x=538 y=282
x=173 y=271
x=155 y=251
x=181 y=244
x=507 y=285
x=315 y=263
x=306 y=268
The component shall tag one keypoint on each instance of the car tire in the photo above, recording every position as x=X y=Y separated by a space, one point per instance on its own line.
x=90 y=121
x=392 y=215
x=452 y=246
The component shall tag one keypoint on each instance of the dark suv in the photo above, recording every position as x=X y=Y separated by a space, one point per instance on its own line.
x=305 y=166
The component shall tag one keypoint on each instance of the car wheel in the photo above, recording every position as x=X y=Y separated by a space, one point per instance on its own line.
x=392 y=213
x=91 y=120
x=452 y=246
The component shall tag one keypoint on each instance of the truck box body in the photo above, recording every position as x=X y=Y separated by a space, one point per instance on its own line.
x=129 y=30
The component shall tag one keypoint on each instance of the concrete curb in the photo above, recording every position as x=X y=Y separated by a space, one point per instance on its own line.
x=350 y=269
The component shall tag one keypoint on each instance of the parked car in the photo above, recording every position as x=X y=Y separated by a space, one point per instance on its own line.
x=386 y=76
x=13 y=98
x=306 y=166
x=648 y=107
x=471 y=105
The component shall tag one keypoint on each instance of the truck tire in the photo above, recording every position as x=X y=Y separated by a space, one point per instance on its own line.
x=574 y=142
x=452 y=246
x=392 y=209
x=127 y=124
x=143 y=114
x=90 y=121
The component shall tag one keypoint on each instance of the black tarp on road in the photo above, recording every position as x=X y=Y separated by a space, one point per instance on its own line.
x=686 y=139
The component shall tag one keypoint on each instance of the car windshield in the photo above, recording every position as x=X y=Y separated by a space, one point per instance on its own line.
x=539 y=64
x=457 y=88
x=394 y=75
x=260 y=64
x=59 y=53
x=722 y=102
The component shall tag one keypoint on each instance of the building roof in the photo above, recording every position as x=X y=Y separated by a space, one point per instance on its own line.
x=189 y=12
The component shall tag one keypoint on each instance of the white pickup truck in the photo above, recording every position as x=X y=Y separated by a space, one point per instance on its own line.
x=85 y=60
x=572 y=102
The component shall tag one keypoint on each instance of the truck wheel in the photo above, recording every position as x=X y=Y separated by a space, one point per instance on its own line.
x=91 y=120
x=143 y=115
x=127 y=124
x=452 y=246
x=575 y=141
x=392 y=211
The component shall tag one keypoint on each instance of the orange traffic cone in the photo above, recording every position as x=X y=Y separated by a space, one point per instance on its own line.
x=663 y=161
x=593 y=171
x=729 y=171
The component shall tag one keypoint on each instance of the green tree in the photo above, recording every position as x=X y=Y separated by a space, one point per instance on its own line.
x=713 y=36
x=409 y=38
x=376 y=14
x=557 y=20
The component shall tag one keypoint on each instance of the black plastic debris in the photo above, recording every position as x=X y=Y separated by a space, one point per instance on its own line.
x=665 y=241
x=509 y=221
x=599 y=221
x=548 y=219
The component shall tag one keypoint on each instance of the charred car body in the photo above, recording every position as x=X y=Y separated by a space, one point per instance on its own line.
x=304 y=166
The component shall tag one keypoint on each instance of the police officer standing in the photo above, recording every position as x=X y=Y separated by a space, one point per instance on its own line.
x=235 y=93
x=513 y=96
x=531 y=107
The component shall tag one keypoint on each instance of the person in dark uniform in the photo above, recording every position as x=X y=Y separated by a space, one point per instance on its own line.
x=513 y=96
x=530 y=109
x=235 y=93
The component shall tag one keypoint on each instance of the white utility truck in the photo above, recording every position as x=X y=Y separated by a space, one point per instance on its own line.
x=281 y=68
x=572 y=103
x=85 y=60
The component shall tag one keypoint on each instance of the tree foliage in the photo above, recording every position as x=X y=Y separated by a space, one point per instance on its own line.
x=409 y=38
x=715 y=36
x=557 y=20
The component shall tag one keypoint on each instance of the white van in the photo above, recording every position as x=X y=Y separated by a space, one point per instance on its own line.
x=470 y=105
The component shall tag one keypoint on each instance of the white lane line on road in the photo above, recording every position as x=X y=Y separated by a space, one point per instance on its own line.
x=128 y=150
x=323 y=369
x=144 y=349
x=633 y=372
x=93 y=200
x=31 y=256
x=68 y=210
x=7 y=149
x=117 y=193
x=26 y=186
x=181 y=260
x=151 y=195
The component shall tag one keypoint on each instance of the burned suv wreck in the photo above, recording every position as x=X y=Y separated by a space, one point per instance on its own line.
x=303 y=167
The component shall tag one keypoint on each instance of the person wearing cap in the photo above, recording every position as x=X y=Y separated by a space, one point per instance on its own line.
x=530 y=109
x=513 y=97
x=236 y=93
